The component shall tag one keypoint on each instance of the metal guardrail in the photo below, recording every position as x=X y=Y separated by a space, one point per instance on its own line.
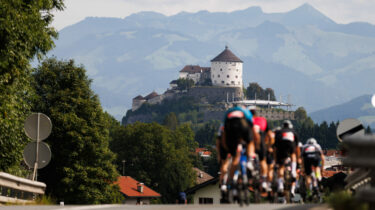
x=361 y=155
x=14 y=189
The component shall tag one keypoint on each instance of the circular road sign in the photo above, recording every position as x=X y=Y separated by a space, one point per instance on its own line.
x=35 y=122
x=44 y=154
x=349 y=127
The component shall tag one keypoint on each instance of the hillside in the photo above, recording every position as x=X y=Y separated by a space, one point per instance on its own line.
x=301 y=52
x=359 y=108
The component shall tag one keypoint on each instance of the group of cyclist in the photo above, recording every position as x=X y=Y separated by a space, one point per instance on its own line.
x=243 y=134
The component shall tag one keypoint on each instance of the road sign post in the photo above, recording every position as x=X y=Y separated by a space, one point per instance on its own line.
x=37 y=127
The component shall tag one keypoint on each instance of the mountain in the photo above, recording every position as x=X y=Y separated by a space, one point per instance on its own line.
x=359 y=108
x=301 y=52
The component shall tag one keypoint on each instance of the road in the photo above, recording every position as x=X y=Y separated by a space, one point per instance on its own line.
x=172 y=207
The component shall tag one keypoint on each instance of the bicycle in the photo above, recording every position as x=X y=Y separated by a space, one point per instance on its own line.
x=240 y=190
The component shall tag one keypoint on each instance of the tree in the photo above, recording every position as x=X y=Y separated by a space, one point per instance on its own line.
x=300 y=114
x=171 y=121
x=185 y=84
x=255 y=91
x=157 y=156
x=24 y=34
x=81 y=170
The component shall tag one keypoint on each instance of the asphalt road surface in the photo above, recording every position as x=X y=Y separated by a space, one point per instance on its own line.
x=172 y=207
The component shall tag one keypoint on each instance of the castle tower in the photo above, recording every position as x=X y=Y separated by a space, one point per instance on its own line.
x=226 y=70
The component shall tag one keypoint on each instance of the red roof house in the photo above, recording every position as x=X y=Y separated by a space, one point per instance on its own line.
x=135 y=192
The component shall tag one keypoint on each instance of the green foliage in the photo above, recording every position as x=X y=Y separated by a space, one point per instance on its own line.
x=300 y=114
x=206 y=134
x=45 y=200
x=81 y=170
x=157 y=156
x=24 y=34
x=185 y=84
x=171 y=121
x=254 y=90
x=345 y=201
x=184 y=105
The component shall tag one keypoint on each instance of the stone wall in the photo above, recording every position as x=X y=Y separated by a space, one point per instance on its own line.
x=213 y=95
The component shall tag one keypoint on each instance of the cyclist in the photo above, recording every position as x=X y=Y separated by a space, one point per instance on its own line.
x=313 y=162
x=263 y=146
x=286 y=145
x=238 y=135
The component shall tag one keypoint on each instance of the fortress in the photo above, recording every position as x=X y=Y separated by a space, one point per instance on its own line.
x=217 y=88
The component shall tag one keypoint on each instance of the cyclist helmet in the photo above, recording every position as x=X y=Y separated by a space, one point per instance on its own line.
x=252 y=109
x=287 y=124
x=311 y=141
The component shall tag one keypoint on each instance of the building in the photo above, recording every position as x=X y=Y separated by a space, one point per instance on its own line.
x=203 y=152
x=135 y=192
x=137 y=102
x=226 y=69
x=198 y=74
x=207 y=192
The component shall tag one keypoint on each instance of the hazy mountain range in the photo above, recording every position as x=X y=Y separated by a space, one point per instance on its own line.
x=301 y=52
x=359 y=108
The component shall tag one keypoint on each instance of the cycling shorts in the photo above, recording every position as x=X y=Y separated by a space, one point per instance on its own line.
x=237 y=131
x=270 y=158
x=262 y=151
x=309 y=162
x=283 y=150
x=223 y=153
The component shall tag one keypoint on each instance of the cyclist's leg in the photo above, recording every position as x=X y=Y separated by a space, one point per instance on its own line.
x=293 y=157
x=280 y=180
x=235 y=161
x=224 y=170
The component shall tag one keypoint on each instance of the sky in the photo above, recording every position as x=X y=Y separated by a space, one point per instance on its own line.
x=340 y=11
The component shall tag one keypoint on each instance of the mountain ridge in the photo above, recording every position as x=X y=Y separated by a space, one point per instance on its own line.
x=136 y=55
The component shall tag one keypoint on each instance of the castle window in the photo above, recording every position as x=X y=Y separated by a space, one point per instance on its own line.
x=218 y=75
x=232 y=82
x=227 y=76
x=221 y=69
x=236 y=76
x=237 y=69
x=222 y=82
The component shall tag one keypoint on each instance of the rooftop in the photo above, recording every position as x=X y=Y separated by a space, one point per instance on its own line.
x=151 y=95
x=201 y=176
x=129 y=187
x=227 y=56
x=192 y=69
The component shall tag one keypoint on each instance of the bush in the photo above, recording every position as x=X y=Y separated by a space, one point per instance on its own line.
x=344 y=200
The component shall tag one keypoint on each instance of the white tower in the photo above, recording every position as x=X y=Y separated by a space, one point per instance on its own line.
x=226 y=69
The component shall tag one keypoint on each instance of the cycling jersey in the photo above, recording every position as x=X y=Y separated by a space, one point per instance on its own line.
x=286 y=142
x=260 y=125
x=311 y=154
x=237 y=126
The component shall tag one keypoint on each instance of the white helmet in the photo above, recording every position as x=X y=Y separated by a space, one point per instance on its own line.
x=287 y=124
x=311 y=141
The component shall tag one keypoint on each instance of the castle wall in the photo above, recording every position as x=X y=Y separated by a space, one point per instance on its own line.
x=212 y=95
